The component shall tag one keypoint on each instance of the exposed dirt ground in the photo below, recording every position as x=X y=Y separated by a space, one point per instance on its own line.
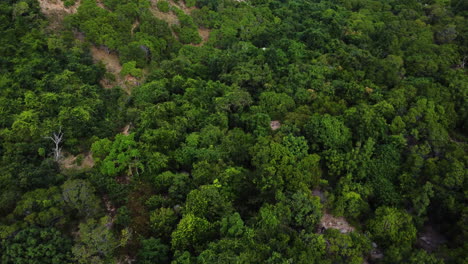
x=275 y=124
x=204 y=34
x=101 y=5
x=181 y=5
x=110 y=60
x=113 y=66
x=340 y=223
x=170 y=17
x=49 y=7
x=126 y=129
x=70 y=162
x=55 y=11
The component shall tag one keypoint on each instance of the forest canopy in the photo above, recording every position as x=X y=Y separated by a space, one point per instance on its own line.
x=233 y=131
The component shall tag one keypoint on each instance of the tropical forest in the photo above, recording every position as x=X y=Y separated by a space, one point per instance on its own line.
x=233 y=131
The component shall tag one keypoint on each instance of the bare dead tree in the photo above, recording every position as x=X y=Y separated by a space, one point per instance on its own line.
x=462 y=64
x=57 y=138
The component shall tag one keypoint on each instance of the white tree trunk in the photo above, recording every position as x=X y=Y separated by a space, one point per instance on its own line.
x=57 y=138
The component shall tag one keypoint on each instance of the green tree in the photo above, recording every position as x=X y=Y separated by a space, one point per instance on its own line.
x=36 y=246
x=392 y=227
x=192 y=233
x=163 y=221
x=41 y=207
x=207 y=202
x=306 y=210
x=347 y=248
x=117 y=157
x=327 y=132
x=80 y=195
x=96 y=242
x=153 y=251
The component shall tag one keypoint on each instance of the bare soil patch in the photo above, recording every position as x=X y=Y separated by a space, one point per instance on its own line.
x=126 y=129
x=170 y=17
x=55 y=11
x=340 y=223
x=204 y=34
x=110 y=60
x=101 y=4
x=181 y=5
x=70 y=162
x=49 y=7
x=275 y=124
x=113 y=66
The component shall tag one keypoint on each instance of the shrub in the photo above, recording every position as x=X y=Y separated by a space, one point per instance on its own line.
x=163 y=6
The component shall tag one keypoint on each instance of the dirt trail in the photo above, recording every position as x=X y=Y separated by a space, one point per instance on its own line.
x=110 y=60
x=113 y=66
x=101 y=4
x=181 y=5
x=204 y=34
x=172 y=19
x=134 y=26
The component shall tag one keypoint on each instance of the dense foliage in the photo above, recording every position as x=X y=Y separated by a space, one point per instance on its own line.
x=368 y=101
